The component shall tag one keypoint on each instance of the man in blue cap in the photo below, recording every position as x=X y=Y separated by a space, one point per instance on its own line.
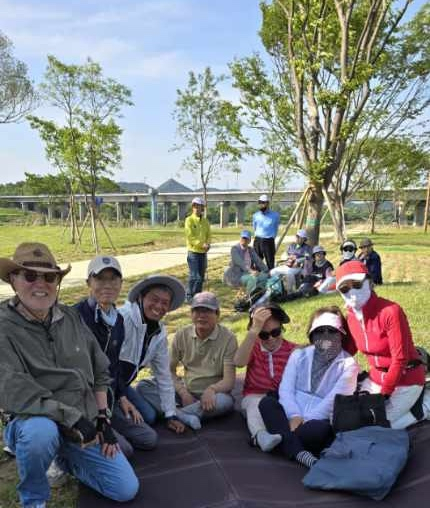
x=265 y=223
x=246 y=268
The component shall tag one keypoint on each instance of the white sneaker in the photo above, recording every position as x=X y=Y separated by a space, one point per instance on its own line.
x=8 y=452
x=56 y=475
x=267 y=441
x=192 y=421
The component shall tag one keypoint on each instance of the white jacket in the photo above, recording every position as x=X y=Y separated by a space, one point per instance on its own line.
x=156 y=357
x=295 y=394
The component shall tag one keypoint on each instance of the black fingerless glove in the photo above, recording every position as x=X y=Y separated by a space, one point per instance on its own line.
x=85 y=430
x=104 y=427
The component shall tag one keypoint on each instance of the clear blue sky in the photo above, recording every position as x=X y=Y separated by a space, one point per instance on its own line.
x=148 y=45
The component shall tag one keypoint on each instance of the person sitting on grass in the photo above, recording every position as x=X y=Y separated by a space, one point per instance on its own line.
x=371 y=259
x=205 y=349
x=145 y=345
x=348 y=250
x=265 y=353
x=298 y=262
x=101 y=316
x=246 y=268
x=380 y=330
x=311 y=379
x=319 y=280
x=53 y=380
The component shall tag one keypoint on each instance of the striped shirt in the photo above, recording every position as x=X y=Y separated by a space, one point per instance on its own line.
x=265 y=368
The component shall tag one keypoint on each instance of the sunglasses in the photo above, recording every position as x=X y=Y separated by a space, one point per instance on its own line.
x=344 y=288
x=349 y=249
x=326 y=330
x=276 y=332
x=31 y=276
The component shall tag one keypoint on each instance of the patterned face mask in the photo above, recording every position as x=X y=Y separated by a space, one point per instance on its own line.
x=356 y=299
x=327 y=346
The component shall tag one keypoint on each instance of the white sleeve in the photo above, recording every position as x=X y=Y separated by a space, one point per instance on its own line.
x=287 y=388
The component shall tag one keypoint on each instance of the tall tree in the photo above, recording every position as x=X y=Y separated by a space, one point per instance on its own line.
x=17 y=95
x=208 y=127
x=86 y=146
x=328 y=58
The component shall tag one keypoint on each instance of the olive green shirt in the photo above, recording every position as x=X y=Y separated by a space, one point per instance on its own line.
x=206 y=362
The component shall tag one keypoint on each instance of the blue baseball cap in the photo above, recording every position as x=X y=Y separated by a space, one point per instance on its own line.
x=246 y=234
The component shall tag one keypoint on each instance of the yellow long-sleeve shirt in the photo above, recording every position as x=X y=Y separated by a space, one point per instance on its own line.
x=197 y=233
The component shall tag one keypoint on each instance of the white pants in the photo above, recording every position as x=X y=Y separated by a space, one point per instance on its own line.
x=249 y=406
x=289 y=274
x=399 y=404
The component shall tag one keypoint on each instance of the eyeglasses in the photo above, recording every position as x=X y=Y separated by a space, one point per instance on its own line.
x=349 y=249
x=31 y=276
x=262 y=202
x=276 y=332
x=354 y=284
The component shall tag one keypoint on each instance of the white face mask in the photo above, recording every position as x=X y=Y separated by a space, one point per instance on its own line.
x=347 y=254
x=356 y=298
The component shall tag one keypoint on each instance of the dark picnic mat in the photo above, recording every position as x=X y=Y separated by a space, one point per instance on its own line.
x=216 y=467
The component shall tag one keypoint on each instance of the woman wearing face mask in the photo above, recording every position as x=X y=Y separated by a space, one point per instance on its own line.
x=348 y=250
x=379 y=329
x=311 y=379
x=265 y=353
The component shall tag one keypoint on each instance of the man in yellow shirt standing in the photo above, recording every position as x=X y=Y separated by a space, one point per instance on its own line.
x=198 y=236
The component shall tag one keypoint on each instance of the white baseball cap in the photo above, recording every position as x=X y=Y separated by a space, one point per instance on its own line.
x=264 y=198
x=198 y=201
x=100 y=263
x=302 y=233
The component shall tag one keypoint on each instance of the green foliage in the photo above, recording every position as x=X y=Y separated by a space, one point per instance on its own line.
x=208 y=127
x=86 y=147
x=341 y=71
x=17 y=95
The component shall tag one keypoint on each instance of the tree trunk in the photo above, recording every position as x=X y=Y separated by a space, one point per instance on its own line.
x=426 y=211
x=372 y=217
x=337 y=214
x=315 y=206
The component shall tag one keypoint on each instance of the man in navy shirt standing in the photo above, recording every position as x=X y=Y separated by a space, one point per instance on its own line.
x=265 y=223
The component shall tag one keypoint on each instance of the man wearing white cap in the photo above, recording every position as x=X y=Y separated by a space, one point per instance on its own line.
x=265 y=223
x=107 y=324
x=198 y=236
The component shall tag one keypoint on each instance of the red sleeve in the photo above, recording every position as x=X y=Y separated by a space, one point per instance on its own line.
x=396 y=327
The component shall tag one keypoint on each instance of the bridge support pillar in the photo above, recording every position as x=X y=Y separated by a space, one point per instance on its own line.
x=223 y=214
x=419 y=213
x=182 y=211
x=240 y=213
x=118 y=207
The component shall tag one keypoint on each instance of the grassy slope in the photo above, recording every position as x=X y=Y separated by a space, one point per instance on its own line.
x=406 y=270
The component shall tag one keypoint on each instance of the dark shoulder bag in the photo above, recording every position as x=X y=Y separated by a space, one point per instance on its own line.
x=361 y=409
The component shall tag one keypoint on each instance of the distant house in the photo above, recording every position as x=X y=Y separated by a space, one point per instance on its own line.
x=171 y=185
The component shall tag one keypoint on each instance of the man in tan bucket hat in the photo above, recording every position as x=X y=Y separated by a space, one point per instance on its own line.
x=53 y=381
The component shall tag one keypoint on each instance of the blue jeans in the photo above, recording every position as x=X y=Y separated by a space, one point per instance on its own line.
x=148 y=412
x=36 y=441
x=197 y=264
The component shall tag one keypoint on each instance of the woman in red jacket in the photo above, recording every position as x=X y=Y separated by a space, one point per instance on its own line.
x=379 y=329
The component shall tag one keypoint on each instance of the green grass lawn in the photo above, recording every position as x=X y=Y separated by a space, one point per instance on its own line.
x=127 y=240
x=406 y=270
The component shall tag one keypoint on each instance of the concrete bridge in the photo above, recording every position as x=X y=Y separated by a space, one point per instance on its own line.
x=128 y=203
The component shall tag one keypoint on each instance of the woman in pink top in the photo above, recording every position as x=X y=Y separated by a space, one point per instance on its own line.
x=265 y=353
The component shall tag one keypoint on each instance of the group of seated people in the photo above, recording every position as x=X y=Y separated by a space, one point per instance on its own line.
x=304 y=272
x=69 y=375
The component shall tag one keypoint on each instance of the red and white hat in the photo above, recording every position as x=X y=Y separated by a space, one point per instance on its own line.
x=327 y=319
x=351 y=270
